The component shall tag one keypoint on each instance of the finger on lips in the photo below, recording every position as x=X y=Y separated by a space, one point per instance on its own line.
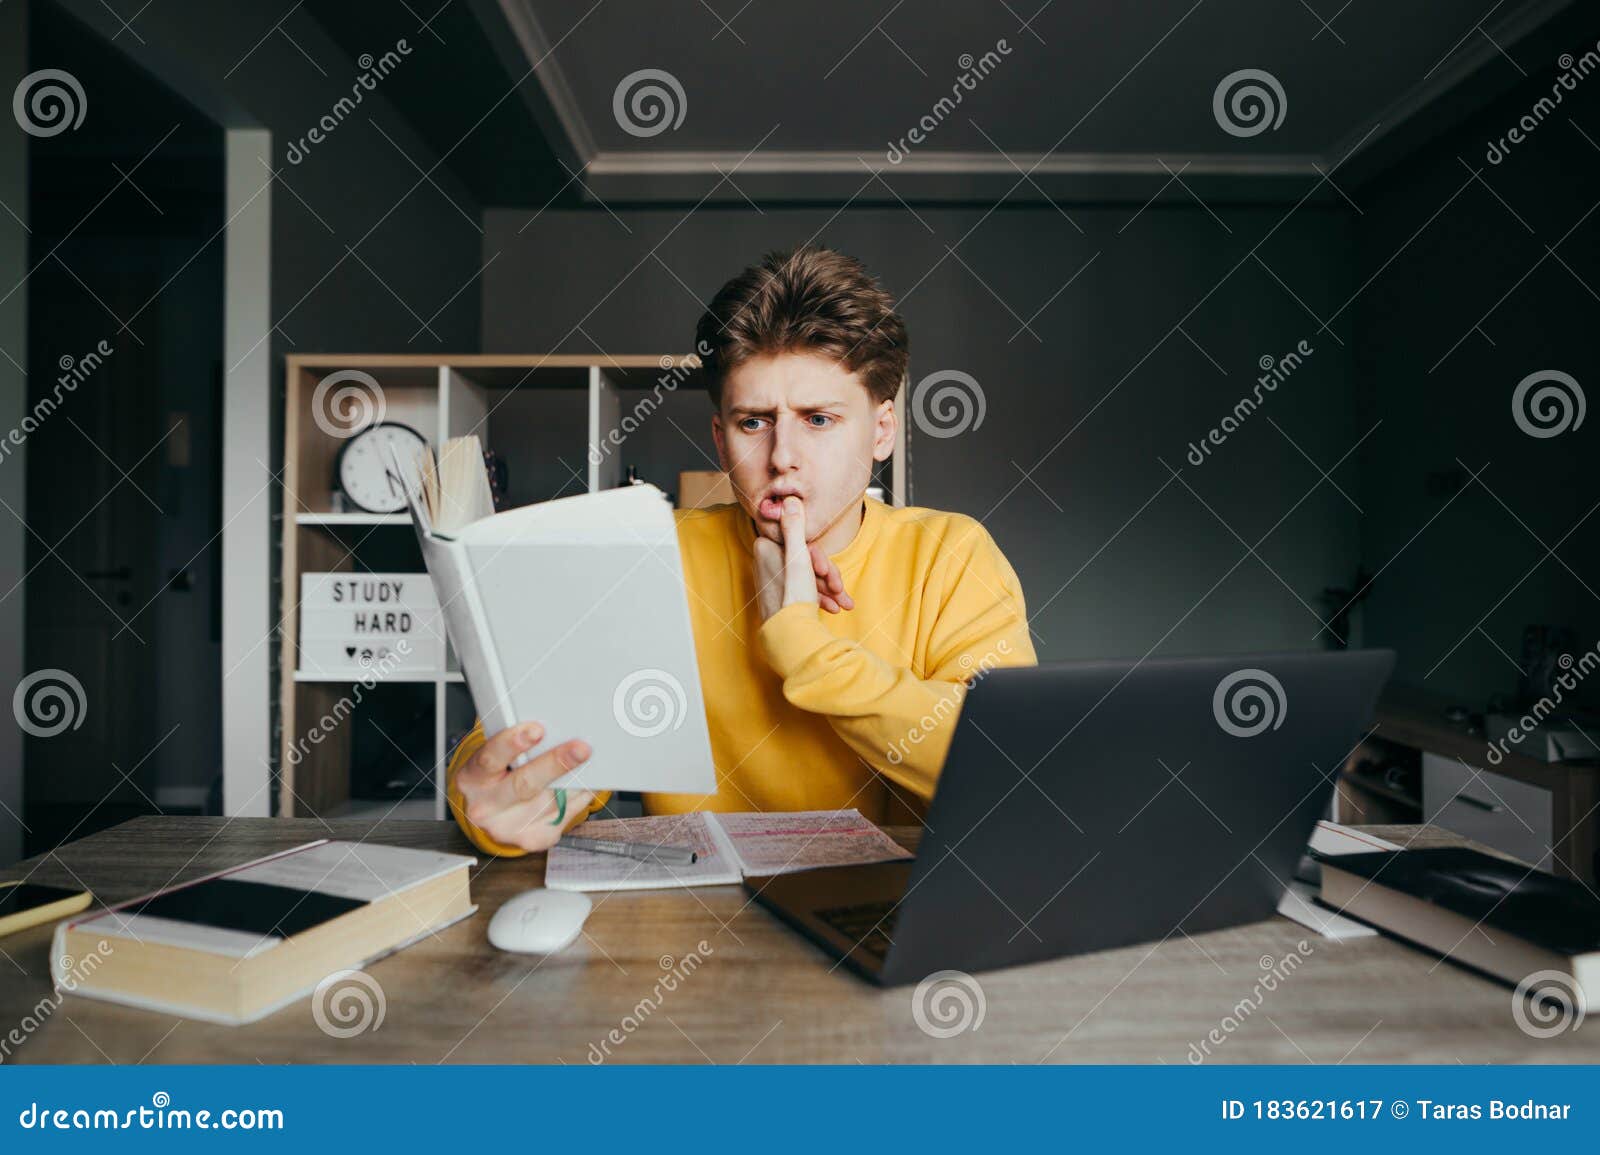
x=793 y=523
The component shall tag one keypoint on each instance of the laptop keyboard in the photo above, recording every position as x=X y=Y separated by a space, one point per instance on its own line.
x=871 y=924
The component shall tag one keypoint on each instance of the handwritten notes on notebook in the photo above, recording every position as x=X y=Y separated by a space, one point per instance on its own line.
x=571 y=869
x=730 y=846
x=806 y=839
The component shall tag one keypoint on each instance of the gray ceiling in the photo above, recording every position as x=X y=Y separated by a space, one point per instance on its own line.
x=1086 y=100
x=1108 y=77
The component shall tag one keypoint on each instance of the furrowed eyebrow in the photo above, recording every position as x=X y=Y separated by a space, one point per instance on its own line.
x=749 y=411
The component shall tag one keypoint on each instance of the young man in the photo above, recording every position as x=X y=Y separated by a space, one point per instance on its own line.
x=835 y=635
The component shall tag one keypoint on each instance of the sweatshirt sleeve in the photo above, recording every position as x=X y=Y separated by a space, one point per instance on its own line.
x=458 y=804
x=898 y=722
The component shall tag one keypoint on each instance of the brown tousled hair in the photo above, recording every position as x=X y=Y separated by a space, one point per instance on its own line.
x=808 y=299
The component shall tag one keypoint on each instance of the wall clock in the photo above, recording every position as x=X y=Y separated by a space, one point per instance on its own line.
x=364 y=471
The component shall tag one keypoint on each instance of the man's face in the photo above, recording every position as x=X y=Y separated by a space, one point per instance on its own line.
x=800 y=423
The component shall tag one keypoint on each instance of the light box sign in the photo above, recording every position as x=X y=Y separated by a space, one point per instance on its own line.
x=352 y=624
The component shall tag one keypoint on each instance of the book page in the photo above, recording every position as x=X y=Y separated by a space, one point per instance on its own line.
x=149 y=928
x=463 y=485
x=358 y=870
x=1333 y=838
x=806 y=839
x=567 y=868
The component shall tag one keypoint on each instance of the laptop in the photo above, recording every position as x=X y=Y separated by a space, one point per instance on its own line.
x=1089 y=805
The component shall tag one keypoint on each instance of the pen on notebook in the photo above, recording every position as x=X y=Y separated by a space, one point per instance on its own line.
x=644 y=851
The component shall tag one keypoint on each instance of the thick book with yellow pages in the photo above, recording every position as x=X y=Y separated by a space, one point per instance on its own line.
x=25 y=904
x=237 y=945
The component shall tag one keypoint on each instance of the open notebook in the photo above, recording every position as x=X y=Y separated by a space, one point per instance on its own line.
x=729 y=846
x=571 y=613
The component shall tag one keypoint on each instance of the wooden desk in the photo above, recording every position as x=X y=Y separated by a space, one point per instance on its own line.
x=761 y=994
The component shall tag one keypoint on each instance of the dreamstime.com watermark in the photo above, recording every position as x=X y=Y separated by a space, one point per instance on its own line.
x=49 y=702
x=347 y=401
x=1277 y=973
x=348 y=1003
x=677 y=971
x=950 y=701
x=49 y=102
x=972 y=71
x=947 y=1004
x=1274 y=372
x=1249 y=102
x=1548 y=403
x=648 y=102
x=1547 y=1003
x=1572 y=71
x=947 y=403
x=372 y=72
x=1572 y=672
x=324 y=726
x=674 y=374
x=160 y=1115
x=74 y=971
x=74 y=372
x=1249 y=702
x=649 y=702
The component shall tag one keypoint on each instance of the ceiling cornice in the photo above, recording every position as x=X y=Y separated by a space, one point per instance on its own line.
x=1441 y=98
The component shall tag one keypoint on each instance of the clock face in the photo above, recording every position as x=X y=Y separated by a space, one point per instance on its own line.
x=365 y=472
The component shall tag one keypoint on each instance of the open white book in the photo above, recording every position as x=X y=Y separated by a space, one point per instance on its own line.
x=728 y=846
x=571 y=613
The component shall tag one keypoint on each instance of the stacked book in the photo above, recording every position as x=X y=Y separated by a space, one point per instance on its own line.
x=1494 y=914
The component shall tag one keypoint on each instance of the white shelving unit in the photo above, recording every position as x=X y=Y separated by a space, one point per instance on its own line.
x=445 y=676
x=441 y=397
x=352 y=519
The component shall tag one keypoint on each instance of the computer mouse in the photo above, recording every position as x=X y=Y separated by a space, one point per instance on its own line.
x=539 y=921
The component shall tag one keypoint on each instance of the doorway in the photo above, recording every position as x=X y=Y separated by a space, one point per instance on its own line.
x=125 y=322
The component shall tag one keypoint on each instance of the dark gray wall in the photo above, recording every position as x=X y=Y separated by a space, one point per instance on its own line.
x=1115 y=556
x=13 y=403
x=1450 y=326
x=229 y=61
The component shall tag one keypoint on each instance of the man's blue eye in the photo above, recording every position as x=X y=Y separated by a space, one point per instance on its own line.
x=821 y=417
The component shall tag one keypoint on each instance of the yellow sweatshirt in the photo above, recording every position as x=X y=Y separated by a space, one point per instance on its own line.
x=817 y=711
